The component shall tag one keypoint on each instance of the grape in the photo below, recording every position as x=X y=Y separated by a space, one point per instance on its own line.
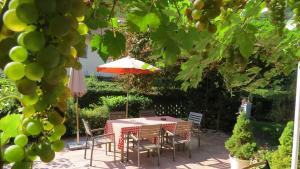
x=212 y=28
x=27 y=13
x=72 y=21
x=34 y=41
x=26 y=86
x=14 y=70
x=28 y=111
x=14 y=153
x=18 y=54
x=80 y=48
x=82 y=29
x=80 y=18
x=57 y=145
x=29 y=100
x=46 y=53
x=22 y=165
x=34 y=71
x=54 y=137
x=59 y=129
x=5 y=46
x=13 y=4
x=47 y=126
x=199 y=4
x=200 y=26
x=49 y=156
x=46 y=6
x=21 y=140
x=73 y=52
x=45 y=152
x=41 y=105
x=34 y=127
x=55 y=118
x=21 y=38
x=73 y=37
x=62 y=29
x=78 y=8
x=12 y=22
x=64 y=48
x=26 y=121
x=196 y=14
x=55 y=76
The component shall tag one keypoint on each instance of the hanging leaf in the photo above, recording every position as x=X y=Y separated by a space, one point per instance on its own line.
x=245 y=42
x=10 y=125
x=95 y=42
x=150 y=20
x=113 y=44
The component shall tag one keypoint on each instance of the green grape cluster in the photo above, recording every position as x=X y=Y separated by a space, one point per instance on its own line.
x=295 y=5
x=203 y=12
x=48 y=37
x=277 y=8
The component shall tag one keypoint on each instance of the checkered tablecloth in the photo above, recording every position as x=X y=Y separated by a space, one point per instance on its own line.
x=123 y=126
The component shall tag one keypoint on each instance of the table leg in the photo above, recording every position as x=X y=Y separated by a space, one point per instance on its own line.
x=109 y=147
x=122 y=155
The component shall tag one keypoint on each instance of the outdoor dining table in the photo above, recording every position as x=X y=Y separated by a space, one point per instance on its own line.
x=121 y=127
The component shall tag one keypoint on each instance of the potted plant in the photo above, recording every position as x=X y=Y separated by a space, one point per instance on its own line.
x=241 y=144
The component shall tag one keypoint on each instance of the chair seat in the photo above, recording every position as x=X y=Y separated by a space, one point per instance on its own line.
x=178 y=139
x=145 y=145
x=104 y=140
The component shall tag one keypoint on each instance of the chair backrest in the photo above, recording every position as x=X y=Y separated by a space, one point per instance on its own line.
x=147 y=113
x=183 y=127
x=149 y=131
x=196 y=118
x=87 y=127
x=117 y=115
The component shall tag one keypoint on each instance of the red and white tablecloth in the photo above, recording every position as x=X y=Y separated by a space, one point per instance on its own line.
x=123 y=126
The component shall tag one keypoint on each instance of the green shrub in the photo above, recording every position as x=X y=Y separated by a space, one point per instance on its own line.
x=266 y=133
x=118 y=103
x=281 y=158
x=241 y=144
x=7 y=89
x=95 y=115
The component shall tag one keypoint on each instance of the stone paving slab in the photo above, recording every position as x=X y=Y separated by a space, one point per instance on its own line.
x=211 y=155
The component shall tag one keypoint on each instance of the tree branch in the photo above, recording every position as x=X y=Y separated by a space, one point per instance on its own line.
x=112 y=9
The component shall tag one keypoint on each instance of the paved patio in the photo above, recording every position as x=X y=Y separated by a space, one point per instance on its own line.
x=211 y=155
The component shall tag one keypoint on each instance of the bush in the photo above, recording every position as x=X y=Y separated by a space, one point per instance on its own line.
x=7 y=89
x=241 y=144
x=281 y=158
x=267 y=133
x=118 y=103
x=95 y=115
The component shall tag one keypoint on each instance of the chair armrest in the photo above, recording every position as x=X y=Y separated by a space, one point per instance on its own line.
x=96 y=130
x=133 y=137
x=170 y=134
x=104 y=135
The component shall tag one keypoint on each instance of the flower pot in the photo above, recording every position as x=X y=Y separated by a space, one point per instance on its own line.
x=236 y=163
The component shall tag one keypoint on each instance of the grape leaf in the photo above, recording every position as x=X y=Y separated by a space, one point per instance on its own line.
x=10 y=125
x=245 y=42
x=113 y=43
x=150 y=20
x=95 y=42
x=171 y=51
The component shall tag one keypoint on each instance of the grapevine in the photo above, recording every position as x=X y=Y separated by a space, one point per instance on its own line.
x=277 y=8
x=45 y=38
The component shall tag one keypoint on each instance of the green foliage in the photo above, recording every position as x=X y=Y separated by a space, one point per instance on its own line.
x=281 y=158
x=96 y=115
x=266 y=133
x=118 y=103
x=9 y=127
x=241 y=144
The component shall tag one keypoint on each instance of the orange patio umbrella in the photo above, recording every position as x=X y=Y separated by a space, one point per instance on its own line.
x=127 y=65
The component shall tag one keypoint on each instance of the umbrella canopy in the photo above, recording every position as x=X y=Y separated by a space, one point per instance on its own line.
x=127 y=65
x=76 y=83
x=78 y=89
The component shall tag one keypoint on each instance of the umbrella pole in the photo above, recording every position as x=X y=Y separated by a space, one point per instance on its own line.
x=77 y=119
x=127 y=104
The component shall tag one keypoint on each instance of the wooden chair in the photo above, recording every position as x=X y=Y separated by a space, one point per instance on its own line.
x=196 y=119
x=178 y=136
x=147 y=113
x=143 y=141
x=100 y=139
x=117 y=115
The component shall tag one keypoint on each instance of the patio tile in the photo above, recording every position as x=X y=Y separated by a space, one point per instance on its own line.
x=211 y=155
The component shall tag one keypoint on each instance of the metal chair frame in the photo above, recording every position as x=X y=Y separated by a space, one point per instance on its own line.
x=196 y=119
x=90 y=135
